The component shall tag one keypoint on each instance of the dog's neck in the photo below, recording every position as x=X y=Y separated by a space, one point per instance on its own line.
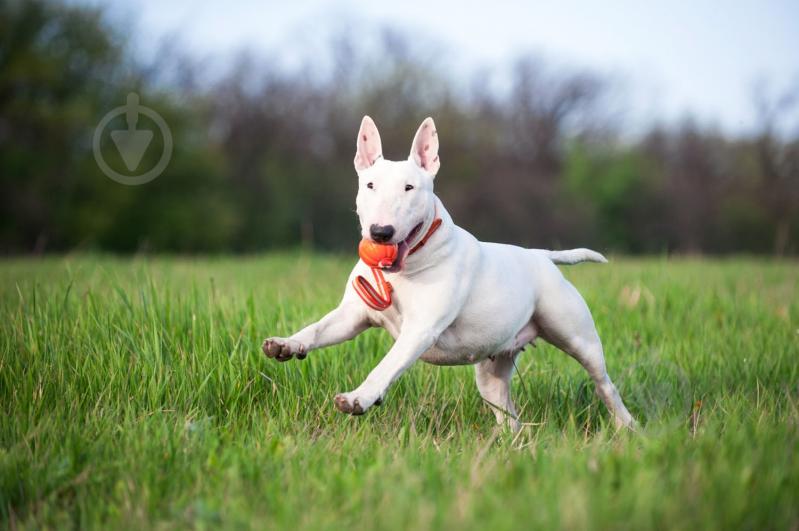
x=436 y=246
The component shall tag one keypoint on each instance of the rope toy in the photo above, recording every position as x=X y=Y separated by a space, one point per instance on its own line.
x=379 y=256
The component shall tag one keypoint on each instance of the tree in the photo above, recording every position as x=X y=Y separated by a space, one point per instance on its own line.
x=779 y=161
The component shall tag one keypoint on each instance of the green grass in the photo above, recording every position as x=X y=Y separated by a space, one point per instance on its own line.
x=134 y=395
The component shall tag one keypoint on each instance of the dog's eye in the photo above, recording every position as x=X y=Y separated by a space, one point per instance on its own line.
x=408 y=187
x=370 y=186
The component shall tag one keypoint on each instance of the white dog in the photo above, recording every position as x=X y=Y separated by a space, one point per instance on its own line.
x=455 y=301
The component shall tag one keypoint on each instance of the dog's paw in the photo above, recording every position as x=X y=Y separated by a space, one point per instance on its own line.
x=355 y=403
x=347 y=405
x=283 y=349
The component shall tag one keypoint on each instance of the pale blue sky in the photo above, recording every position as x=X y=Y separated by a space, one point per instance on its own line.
x=702 y=56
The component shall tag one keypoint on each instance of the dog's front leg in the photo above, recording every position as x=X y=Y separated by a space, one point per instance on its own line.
x=411 y=343
x=345 y=322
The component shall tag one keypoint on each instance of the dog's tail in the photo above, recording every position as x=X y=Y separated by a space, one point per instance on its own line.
x=575 y=256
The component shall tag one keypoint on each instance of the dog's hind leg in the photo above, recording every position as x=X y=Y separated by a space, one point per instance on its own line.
x=565 y=321
x=493 y=381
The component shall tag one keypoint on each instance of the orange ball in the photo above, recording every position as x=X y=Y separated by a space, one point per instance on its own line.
x=377 y=254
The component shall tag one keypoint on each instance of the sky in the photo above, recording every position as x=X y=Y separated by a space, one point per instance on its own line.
x=700 y=57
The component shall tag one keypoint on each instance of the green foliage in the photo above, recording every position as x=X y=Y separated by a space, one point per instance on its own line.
x=62 y=68
x=619 y=191
x=55 y=63
x=135 y=396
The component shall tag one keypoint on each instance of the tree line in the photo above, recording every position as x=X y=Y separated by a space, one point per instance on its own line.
x=532 y=153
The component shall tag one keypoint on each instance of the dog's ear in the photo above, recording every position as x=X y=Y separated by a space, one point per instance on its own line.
x=368 y=146
x=424 y=150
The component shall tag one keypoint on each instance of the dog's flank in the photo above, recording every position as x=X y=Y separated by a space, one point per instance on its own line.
x=575 y=256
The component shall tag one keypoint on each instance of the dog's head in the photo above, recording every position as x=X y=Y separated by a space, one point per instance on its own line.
x=395 y=199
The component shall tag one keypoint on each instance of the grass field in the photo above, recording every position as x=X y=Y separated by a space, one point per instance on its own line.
x=134 y=395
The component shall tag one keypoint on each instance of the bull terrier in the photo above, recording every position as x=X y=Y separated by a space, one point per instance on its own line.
x=454 y=301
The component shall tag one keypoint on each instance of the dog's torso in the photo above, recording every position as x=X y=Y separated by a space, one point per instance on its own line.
x=486 y=293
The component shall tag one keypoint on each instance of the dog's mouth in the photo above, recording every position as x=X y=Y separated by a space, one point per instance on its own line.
x=403 y=248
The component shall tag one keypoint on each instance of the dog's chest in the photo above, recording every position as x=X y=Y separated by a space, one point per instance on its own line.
x=389 y=319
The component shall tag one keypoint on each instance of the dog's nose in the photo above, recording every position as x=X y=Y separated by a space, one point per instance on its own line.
x=381 y=233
